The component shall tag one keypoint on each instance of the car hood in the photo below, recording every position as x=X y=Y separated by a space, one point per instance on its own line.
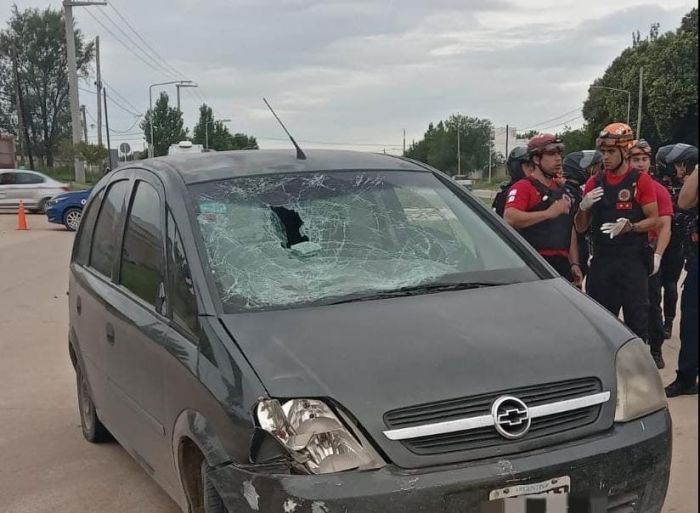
x=73 y=195
x=375 y=356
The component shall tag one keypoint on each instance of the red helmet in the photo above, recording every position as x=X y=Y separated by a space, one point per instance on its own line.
x=544 y=143
x=616 y=135
x=640 y=147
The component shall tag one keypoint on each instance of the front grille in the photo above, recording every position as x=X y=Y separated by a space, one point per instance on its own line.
x=627 y=502
x=481 y=405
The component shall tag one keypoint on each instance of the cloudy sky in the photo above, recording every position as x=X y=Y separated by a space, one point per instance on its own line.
x=356 y=73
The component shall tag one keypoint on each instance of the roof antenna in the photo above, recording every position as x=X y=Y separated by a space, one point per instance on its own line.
x=300 y=153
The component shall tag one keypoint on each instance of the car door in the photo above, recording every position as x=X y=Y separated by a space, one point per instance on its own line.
x=91 y=283
x=29 y=188
x=137 y=329
x=8 y=182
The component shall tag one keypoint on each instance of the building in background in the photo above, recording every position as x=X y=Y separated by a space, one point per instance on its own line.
x=7 y=151
x=499 y=141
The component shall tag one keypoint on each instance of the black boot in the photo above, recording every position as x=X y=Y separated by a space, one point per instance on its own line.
x=679 y=388
x=658 y=359
x=668 y=328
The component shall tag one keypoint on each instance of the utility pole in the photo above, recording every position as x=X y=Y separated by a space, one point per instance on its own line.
x=639 y=111
x=98 y=83
x=404 y=143
x=151 y=149
x=109 y=148
x=459 y=153
x=507 y=137
x=73 y=79
x=84 y=121
x=492 y=133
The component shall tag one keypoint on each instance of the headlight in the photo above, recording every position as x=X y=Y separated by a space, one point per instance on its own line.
x=314 y=436
x=639 y=388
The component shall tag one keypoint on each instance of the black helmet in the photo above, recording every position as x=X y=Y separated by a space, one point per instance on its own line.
x=672 y=154
x=576 y=164
x=516 y=159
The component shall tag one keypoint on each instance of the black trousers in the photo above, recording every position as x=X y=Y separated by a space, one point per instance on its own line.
x=620 y=280
x=688 y=357
x=562 y=266
x=670 y=273
x=656 y=321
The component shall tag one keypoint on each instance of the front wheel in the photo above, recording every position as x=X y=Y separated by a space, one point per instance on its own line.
x=93 y=430
x=210 y=497
x=71 y=218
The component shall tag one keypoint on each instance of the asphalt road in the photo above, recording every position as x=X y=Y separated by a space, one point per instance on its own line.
x=46 y=466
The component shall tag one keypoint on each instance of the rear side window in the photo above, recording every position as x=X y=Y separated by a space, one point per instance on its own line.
x=143 y=259
x=28 y=178
x=8 y=178
x=104 y=240
x=86 y=225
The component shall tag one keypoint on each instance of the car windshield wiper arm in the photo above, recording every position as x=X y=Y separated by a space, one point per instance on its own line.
x=417 y=290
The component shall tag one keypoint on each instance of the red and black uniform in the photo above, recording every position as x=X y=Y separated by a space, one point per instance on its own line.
x=551 y=238
x=656 y=321
x=673 y=259
x=618 y=277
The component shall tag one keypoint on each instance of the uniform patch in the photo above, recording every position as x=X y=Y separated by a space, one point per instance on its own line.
x=511 y=195
x=624 y=195
x=624 y=205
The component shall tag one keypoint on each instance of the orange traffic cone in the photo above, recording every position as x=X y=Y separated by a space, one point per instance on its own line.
x=21 y=217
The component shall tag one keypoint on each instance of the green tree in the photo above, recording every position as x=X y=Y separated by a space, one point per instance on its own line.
x=168 y=126
x=670 y=89
x=35 y=40
x=438 y=147
x=217 y=136
x=529 y=134
x=576 y=140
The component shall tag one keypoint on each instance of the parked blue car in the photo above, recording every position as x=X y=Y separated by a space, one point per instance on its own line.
x=67 y=208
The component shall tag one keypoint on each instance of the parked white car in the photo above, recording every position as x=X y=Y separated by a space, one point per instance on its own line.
x=464 y=181
x=33 y=188
x=185 y=147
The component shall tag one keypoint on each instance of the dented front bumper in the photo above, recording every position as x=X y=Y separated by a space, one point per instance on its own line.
x=631 y=460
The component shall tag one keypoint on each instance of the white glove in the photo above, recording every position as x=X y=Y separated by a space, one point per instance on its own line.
x=657 y=264
x=591 y=198
x=614 y=229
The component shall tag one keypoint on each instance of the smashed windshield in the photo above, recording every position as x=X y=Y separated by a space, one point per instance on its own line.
x=276 y=241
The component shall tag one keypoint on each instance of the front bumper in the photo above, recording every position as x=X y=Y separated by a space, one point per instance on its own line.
x=54 y=215
x=630 y=459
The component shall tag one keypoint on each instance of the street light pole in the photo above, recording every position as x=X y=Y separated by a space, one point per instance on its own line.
x=629 y=97
x=206 y=130
x=178 y=86
x=150 y=109
x=73 y=80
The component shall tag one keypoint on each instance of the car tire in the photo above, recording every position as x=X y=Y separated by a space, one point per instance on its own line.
x=210 y=497
x=41 y=206
x=71 y=218
x=93 y=430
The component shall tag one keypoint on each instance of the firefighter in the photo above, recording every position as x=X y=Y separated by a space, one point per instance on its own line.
x=659 y=238
x=687 y=374
x=673 y=163
x=518 y=165
x=579 y=166
x=540 y=210
x=619 y=206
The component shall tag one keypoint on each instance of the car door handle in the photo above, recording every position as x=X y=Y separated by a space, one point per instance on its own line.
x=110 y=334
x=79 y=305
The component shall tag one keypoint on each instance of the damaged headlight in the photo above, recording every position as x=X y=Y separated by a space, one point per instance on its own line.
x=639 y=388
x=314 y=436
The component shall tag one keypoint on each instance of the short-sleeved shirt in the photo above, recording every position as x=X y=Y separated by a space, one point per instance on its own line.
x=525 y=197
x=665 y=203
x=646 y=192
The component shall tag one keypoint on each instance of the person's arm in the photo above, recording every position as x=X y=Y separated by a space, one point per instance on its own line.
x=520 y=219
x=574 y=259
x=688 y=197
x=664 y=235
x=650 y=221
x=582 y=220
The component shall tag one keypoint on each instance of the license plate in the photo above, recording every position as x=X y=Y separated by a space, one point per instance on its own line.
x=552 y=486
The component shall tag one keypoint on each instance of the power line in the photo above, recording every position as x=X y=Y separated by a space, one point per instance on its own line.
x=126 y=132
x=563 y=122
x=119 y=95
x=123 y=43
x=111 y=5
x=549 y=120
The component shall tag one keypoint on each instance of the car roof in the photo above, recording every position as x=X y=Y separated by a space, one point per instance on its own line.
x=203 y=167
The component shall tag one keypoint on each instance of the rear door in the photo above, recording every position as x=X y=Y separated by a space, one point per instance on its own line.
x=8 y=182
x=29 y=188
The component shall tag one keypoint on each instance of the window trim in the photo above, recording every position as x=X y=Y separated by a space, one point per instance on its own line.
x=154 y=182
x=183 y=330
x=119 y=229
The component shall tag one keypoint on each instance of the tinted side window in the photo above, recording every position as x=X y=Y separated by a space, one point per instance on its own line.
x=182 y=300
x=28 y=178
x=143 y=262
x=8 y=178
x=87 y=223
x=104 y=239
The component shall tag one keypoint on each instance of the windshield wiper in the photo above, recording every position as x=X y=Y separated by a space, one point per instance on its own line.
x=430 y=288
